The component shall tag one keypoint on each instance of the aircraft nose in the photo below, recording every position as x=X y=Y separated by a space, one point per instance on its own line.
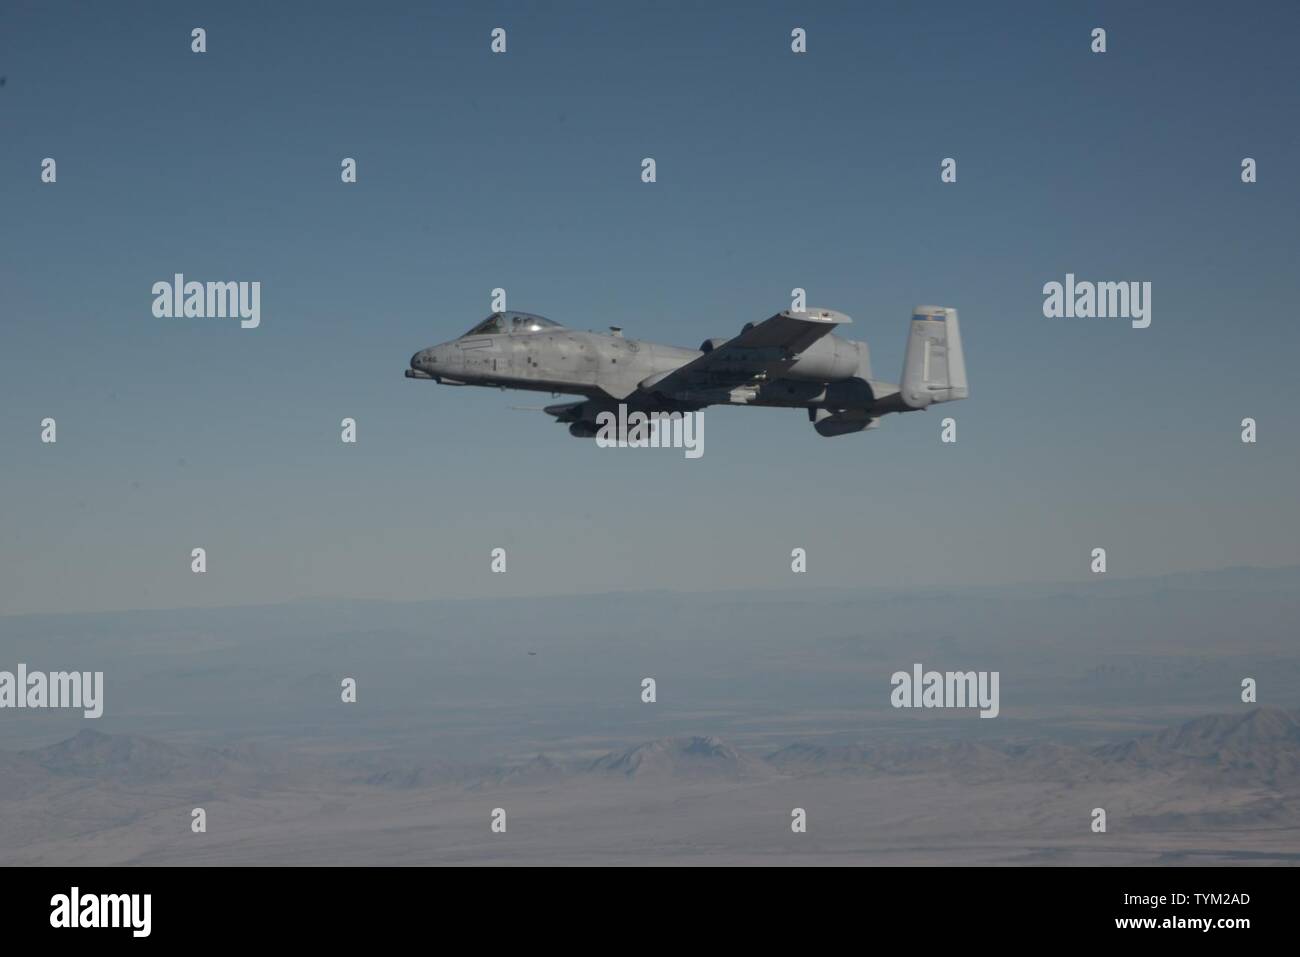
x=425 y=360
x=422 y=365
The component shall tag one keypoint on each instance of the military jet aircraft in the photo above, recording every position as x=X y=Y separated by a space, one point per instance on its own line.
x=793 y=359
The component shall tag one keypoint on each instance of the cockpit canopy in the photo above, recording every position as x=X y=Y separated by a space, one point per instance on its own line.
x=514 y=323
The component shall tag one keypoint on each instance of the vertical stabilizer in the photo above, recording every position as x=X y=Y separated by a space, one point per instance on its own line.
x=934 y=369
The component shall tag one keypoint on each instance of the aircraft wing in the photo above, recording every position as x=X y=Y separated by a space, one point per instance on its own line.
x=762 y=350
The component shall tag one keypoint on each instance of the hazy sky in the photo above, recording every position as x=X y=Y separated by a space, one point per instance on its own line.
x=522 y=171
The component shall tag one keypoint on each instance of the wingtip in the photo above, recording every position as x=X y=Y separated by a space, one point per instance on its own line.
x=827 y=316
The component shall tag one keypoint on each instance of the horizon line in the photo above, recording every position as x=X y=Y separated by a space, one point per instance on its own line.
x=765 y=590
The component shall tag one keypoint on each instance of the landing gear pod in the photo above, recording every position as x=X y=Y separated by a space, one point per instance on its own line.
x=845 y=422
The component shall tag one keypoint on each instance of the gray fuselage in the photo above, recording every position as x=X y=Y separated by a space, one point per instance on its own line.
x=550 y=358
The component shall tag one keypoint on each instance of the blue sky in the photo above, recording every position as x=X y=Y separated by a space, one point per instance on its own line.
x=522 y=171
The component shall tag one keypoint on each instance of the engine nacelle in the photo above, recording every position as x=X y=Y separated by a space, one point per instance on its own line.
x=829 y=359
x=708 y=345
